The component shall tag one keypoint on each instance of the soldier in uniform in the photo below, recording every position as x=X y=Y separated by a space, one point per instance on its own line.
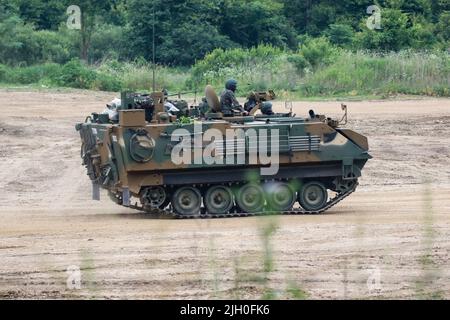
x=228 y=100
x=266 y=107
x=204 y=107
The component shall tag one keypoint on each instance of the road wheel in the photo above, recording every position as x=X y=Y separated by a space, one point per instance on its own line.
x=219 y=200
x=280 y=196
x=250 y=198
x=154 y=197
x=187 y=201
x=313 y=196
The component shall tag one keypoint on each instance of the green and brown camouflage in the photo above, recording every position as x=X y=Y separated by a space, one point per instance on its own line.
x=133 y=158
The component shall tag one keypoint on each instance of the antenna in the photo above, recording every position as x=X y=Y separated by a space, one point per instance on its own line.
x=153 y=48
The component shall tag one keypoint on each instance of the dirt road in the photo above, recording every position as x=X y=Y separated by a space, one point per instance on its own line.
x=391 y=239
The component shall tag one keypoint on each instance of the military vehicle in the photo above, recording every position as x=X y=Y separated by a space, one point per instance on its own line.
x=129 y=151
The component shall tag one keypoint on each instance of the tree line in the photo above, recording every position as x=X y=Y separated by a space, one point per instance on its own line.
x=36 y=31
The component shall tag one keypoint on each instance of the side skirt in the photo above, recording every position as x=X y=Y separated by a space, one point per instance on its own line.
x=238 y=174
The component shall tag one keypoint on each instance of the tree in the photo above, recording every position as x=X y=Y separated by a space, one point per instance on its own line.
x=442 y=27
x=185 y=31
x=7 y=9
x=315 y=16
x=251 y=22
x=393 y=36
x=44 y=15
x=90 y=12
x=340 y=34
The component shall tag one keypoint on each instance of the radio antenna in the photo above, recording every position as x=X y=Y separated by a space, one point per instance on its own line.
x=153 y=48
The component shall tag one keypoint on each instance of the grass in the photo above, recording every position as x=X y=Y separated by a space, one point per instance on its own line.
x=364 y=73
x=340 y=75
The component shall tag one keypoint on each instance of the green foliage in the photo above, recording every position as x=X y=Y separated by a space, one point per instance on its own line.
x=29 y=75
x=138 y=75
x=17 y=45
x=442 y=27
x=422 y=35
x=107 y=42
x=253 y=22
x=56 y=47
x=34 y=31
x=106 y=82
x=184 y=31
x=315 y=17
x=76 y=74
x=3 y=73
x=185 y=120
x=318 y=68
x=44 y=15
x=7 y=9
x=364 y=73
x=399 y=30
x=254 y=68
x=394 y=35
x=305 y=47
x=298 y=61
x=318 y=51
x=190 y=42
x=111 y=75
x=346 y=74
x=340 y=34
x=22 y=45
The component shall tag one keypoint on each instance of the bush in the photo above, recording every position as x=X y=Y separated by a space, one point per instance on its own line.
x=250 y=65
x=298 y=61
x=339 y=73
x=340 y=34
x=4 y=72
x=442 y=28
x=17 y=45
x=31 y=74
x=367 y=73
x=140 y=77
x=318 y=51
x=22 y=45
x=58 y=47
x=106 y=82
x=107 y=42
x=76 y=74
x=394 y=34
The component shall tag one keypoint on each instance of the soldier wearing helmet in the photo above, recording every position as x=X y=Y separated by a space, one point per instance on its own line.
x=228 y=100
x=259 y=100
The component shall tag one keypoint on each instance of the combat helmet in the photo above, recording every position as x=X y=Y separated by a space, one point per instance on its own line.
x=231 y=84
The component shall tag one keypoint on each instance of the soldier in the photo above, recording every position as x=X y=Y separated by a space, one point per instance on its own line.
x=203 y=107
x=266 y=108
x=111 y=109
x=252 y=101
x=228 y=100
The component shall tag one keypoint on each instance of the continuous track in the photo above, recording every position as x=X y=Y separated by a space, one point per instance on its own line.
x=169 y=213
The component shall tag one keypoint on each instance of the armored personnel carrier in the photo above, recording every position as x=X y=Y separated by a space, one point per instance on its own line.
x=192 y=162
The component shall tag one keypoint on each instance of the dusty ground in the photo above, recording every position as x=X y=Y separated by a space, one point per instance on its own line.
x=393 y=233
